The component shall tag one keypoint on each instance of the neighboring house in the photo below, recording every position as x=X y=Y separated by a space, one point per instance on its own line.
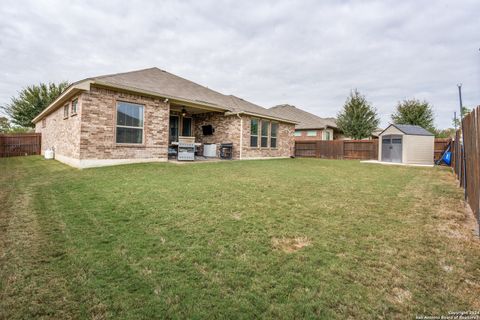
x=376 y=133
x=135 y=117
x=309 y=126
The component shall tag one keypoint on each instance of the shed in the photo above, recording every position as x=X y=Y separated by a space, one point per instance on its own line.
x=406 y=144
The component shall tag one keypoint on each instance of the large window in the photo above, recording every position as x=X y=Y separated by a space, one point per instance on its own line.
x=254 y=133
x=265 y=125
x=129 y=122
x=273 y=135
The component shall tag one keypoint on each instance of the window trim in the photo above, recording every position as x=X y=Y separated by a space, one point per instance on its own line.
x=120 y=144
x=72 y=112
x=66 y=111
x=268 y=134
x=276 y=134
x=254 y=135
x=325 y=133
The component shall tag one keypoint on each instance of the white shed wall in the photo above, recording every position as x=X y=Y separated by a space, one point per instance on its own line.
x=418 y=149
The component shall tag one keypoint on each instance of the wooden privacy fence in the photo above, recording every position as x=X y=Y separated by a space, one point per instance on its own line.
x=21 y=144
x=466 y=159
x=441 y=146
x=352 y=149
x=338 y=149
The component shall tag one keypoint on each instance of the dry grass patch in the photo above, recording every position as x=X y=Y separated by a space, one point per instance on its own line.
x=289 y=245
x=400 y=296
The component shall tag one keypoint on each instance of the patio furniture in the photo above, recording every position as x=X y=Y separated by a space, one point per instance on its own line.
x=172 y=152
x=226 y=151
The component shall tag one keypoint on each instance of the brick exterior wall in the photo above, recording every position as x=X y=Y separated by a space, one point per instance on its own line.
x=285 y=142
x=319 y=136
x=90 y=135
x=99 y=123
x=227 y=130
x=61 y=133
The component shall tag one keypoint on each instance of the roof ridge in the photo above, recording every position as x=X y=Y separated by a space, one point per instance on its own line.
x=122 y=73
x=309 y=113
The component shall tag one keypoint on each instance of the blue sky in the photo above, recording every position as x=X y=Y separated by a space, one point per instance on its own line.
x=306 y=53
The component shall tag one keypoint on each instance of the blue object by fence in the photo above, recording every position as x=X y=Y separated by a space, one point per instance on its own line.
x=447 y=157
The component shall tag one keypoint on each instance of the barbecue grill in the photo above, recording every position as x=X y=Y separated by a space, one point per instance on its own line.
x=186 y=151
x=226 y=151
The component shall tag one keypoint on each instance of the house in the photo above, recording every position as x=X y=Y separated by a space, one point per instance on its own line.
x=136 y=116
x=309 y=127
x=376 y=134
x=406 y=144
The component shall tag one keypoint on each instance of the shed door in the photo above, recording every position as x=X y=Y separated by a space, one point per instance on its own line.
x=392 y=148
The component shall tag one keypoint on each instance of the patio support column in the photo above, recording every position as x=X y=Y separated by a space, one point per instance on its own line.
x=241 y=136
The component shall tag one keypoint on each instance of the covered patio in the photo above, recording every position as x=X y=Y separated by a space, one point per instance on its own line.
x=194 y=133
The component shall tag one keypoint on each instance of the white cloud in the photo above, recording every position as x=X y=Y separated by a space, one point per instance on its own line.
x=306 y=53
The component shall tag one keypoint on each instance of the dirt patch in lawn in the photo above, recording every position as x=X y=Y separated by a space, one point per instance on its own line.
x=289 y=245
x=400 y=296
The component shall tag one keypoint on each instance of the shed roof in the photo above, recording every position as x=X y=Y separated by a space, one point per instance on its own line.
x=306 y=120
x=411 y=129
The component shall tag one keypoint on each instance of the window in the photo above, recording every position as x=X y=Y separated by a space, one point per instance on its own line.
x=187 y=127
x=298 y=133
x=273 y=135
x=254 y=133
x=311 y=133
x=74 y=106
x=327 y=135
x=65 y=111
x=44 y=123
x=264 y=141
x=129 y=122
x=173 y=137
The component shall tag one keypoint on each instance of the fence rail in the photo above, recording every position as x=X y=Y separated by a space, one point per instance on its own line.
x=338 y=149
x=466 y=159
x=21 y=144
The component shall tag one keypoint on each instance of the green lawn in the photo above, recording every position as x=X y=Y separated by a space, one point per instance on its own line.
x=295 y=238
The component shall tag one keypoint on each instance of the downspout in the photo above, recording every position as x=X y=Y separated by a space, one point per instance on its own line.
x=241 y=135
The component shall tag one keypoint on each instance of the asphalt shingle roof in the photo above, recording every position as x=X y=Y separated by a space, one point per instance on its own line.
x=306 y=120
x=164 y=83
x=412 y=130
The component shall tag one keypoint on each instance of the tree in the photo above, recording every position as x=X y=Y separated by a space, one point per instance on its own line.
x=4 y=125
x=31 y=101
x=357 y=119
x=414 y=112
x=456 y=120
x=445 y=133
